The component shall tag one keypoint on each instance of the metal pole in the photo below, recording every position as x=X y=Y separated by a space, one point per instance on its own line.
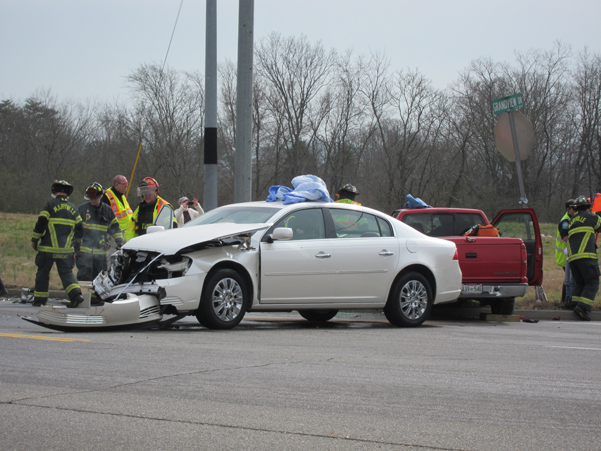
x=523 y=199
x=243 y=179
x=210 y=142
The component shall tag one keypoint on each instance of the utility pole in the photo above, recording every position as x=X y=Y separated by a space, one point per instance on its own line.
x=210 y=142
x=243 y=178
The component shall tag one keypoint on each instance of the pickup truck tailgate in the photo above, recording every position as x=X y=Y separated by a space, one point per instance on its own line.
x=491 y=259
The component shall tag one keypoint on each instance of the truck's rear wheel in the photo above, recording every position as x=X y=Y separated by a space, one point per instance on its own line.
x=410 y=301
x=504 y=306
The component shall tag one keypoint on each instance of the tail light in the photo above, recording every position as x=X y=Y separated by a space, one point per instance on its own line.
x=456 y=256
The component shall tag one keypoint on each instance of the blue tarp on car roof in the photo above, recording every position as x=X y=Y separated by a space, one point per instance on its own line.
x=306 y=188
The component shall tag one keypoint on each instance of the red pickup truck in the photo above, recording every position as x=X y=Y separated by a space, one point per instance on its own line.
x=495 y=270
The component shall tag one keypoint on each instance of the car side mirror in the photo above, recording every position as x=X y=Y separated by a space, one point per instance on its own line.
x=281 y=234
x=154 y=228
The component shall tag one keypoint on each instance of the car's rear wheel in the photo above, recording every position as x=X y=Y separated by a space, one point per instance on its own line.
x=318 y=315
x=504 y=306
x=224 y=300
x=410 y=301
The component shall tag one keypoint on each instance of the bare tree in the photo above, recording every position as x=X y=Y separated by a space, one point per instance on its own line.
x=295 y=72
x=168 y=116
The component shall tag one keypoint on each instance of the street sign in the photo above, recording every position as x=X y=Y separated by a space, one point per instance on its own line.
x=502 y=104
x=524 y=131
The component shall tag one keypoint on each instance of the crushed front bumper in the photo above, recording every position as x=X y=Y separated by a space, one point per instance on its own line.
x=133 y=312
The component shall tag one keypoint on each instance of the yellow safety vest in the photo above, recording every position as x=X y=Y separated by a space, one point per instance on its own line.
x=560 y=245
x=123 y=213
x=133 y=224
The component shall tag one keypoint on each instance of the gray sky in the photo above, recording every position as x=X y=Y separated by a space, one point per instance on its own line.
x=84 y=49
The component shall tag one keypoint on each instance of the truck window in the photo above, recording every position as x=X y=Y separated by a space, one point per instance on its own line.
x=464 y=221
x=420 y=222
x=443 y=224
x=516 y=225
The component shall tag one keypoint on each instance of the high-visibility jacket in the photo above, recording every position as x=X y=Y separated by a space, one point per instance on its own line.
x=582 y=236
x=347 y=201
x=58 y=227
x=97 y=222
x=560 y=244
x=121 y=210
x=137 y=228
x=597 y=203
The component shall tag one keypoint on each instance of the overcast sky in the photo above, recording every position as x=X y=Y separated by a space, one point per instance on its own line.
x=84 y=49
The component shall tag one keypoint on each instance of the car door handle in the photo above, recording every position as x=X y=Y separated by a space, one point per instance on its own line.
x=471 y=255
x=323 y=255
x=386 y=253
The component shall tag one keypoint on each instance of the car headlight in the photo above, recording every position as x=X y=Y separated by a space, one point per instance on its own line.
x=177 y=269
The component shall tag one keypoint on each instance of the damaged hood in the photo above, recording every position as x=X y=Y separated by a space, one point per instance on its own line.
x=172 y=241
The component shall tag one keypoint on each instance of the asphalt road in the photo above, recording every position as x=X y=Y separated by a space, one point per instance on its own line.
x=279 y=382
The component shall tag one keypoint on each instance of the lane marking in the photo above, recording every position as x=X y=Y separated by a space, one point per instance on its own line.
x=38 y=337
x=575 y=347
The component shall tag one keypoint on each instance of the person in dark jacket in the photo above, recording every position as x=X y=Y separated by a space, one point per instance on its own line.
x=57 y=233
x=98 y=221
x=582 y=256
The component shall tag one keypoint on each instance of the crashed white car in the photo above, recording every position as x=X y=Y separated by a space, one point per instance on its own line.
x=313 y=257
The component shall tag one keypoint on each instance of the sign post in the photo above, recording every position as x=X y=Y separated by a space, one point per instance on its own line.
x=509 y=104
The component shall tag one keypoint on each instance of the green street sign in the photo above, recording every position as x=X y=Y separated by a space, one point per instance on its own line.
x=502 y=104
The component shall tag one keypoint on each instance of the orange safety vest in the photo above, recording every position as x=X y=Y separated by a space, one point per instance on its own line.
x=122 y=212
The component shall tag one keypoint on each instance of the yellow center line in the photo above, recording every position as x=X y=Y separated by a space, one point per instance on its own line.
x=38 y=337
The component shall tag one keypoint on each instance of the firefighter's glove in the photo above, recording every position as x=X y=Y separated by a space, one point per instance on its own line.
x=120 y=244
x=77 y=247
x=104 y=245
x=34 y=245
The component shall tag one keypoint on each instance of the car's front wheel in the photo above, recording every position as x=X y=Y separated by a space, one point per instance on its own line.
x=410 y=301
x=224 y=300
x=318 y=316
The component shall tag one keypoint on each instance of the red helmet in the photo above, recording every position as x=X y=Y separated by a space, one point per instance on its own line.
x=148 y=185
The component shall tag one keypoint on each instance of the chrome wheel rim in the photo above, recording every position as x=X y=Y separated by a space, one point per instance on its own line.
x=227 y=299
x=413 y=299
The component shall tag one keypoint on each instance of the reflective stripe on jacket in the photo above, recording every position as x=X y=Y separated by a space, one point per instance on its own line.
x=97 y=222
x=582 y=235
x=58 y=227
x=134 y=227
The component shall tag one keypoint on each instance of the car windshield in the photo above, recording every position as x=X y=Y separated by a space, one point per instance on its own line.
x=236 y=215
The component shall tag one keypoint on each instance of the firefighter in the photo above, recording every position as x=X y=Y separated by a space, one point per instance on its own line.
x=582 y=257
x=561 y=251
x=98 y=221
x=115 y=198
x=57 y=233
x=147 y=211
x=346 y=195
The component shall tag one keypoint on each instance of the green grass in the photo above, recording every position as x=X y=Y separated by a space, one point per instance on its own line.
x=17 y=267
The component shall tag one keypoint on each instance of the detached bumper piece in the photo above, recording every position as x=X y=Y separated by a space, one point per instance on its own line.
x=134 y=312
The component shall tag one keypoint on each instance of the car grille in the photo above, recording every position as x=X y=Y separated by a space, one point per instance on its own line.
x=68 y=318
x=149 y=311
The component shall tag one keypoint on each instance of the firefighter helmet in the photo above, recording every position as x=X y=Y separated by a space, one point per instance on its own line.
x=349 y=188
x=93 y=191
x=148 y=185
x=61 y=186
x=582 y=201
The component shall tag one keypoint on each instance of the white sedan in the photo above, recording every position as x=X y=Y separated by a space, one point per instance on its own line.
x=313 y=257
